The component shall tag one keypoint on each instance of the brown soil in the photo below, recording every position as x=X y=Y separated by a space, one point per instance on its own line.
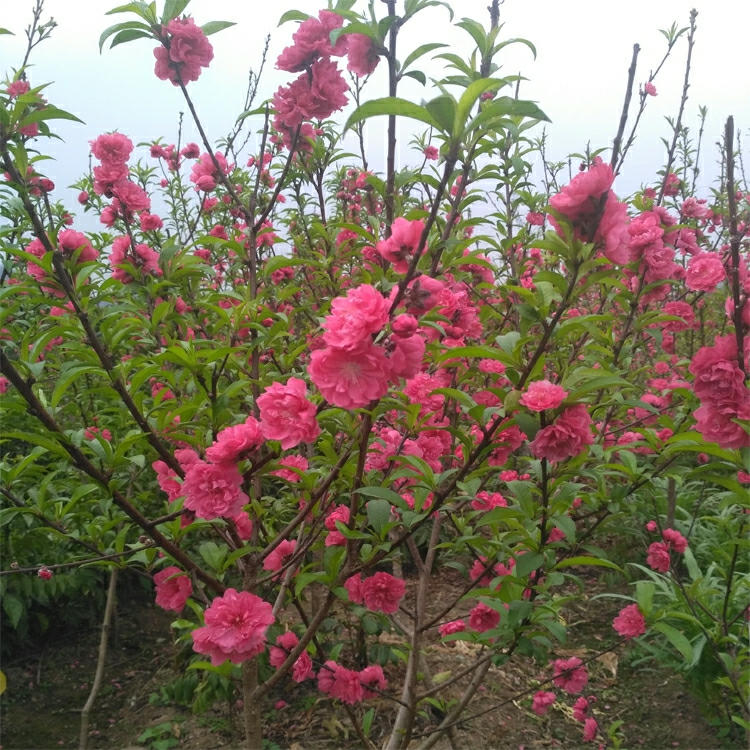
x=47 y=688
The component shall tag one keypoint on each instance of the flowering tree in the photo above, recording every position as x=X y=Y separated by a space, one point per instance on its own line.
x=286 y=380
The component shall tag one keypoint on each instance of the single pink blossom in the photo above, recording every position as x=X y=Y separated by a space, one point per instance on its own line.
x=287 y=415
x=483 y=618
x=235 y=627
x=704 y=272
x=280 y=555
x=233 y=442
x=448 y=628
x=173 y=588
x=542 y=701
x=383 y=593
x=188 y=51
x=541 y=395
x=630 y=622
x=213 y=490
x=658 y=557
x=363 y=55
x=570 y=675
x=354 y=318
x=566 y=437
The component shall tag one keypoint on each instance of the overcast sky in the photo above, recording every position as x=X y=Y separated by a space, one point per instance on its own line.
x=584 y=49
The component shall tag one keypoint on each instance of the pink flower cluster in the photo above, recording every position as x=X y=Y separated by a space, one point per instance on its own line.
x=719 y=383
x=351 y=371
x=235 y=627
x=349 y=686
x=658 y=553
x=184 y=50
x=303 y=666
x=580 y=202
x=566 y=437
x=379 y=593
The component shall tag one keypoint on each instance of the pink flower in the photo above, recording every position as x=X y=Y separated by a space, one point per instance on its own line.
x=293 y=462
x=535 y=219
x=675 y=540
x=354 y=318
x=578 y=197
x=448 y=628
x=404 y=326
x=233 y=442
x=287 y=415
x=403 y=242
x=363 y=55
x=347 y=686
x=311 y=41
x=326 y=676
x=17 y=88
x=570 y=675
x=44 y=573
x=483 y=618
x=70 y=242
x=150 y=222
x=716 y=424
x=613 y=231
x=488 y=500
x=630 y=622
x=213 y=490
x=406 y=358
x=541 y=395
x=372 y=677
x=590 y=728
x=189 y=51
x=651 y=526
x=565 y=438
x=354 y=588
x=280 y=556
x=112 y=148
x=704 y=272
x=580 y=708
x=383 y=593
x=83 y=197
x=235 y=629
x=422 y=293
x=132 y=196
x=350 y=378
x=303 y=667
x=542 y=701
x=173 y=588
x=658 y=557
x=681 y=310
x=431 y=153
x=243 y=525
x=649 y=88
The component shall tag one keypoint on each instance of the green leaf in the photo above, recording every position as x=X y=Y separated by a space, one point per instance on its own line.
x=118 y=27
x=293 y=15
x=391 y=105
x=644 y=595
x=14 y=608
x=527 y=563
x=6 y=31
x=570 y=562
x=213 y=26
x=172 y=9
x=470 y=96
x=124 y=37
x=378 y=514
x=385 y=494
x=367 y=721
x=598 y=384
x=443 y=110
x=419 y=51
x=66 y=379
x=48 y=113
x=677 y=639
x=417 y=75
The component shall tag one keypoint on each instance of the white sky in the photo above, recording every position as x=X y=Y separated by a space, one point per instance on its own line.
x=584 y=49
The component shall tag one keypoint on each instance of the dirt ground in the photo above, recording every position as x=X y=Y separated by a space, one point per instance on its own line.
x=48 y=687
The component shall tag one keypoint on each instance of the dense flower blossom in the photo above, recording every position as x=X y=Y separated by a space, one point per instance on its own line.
x=566 y=437
x=570 y=675
x=111 y=148
x=630 y=622
x=402 y=243
x=682 y=310
x=173 y=588
x=133 y=197
x=347 y=685
x=590 y=728
x=233 y=442
x=353 y=586
x=363 y=55
x=17 y=88
x=312 y=41
x=488 y=501
x=303 y=666
x=541 y=395
x=293 y=462
x=287 y=415
x=372 y=677
x=578 y=197
x=326 y=676
x=235 y=627
x=350 y=378
x=406 y=357
x=658 y=557
x=354 y=318
x=542 y=701
x=704 y=272
x=213 y=490
x=204 y=173
x=404 y=326
x=185 y=51
x=580 y=709
x=483 y=618
x=280 y=555
x=383 y=592
x=675 y=540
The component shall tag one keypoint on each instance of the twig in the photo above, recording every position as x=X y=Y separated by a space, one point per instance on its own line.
x=625 y=107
